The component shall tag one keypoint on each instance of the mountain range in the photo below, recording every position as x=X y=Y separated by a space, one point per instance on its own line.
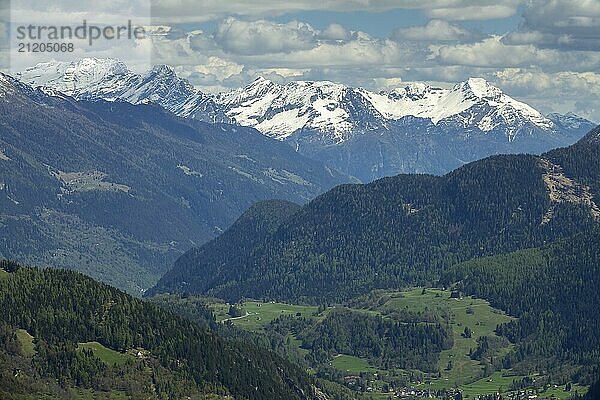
x=397 y=231
x=416 y=128
x=126 y=176
x=119 y=191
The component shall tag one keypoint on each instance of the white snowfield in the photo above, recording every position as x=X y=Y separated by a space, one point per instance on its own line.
x=110 y=80
x=281 y=111
x=103 y=77
x=436 y=104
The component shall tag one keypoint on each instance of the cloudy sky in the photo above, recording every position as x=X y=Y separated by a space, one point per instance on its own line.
x=544 y=52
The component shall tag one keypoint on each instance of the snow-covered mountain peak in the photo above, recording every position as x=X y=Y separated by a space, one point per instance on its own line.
x=49 y=72
x=495 y=108
x=161 y=70
x=481 y=88
x=160 y=85
x=568 y=120
x=474 y=101
x=99 y=67
x=258 y=87
x=162 y=76
x=281 y=110
x=262 y=85
x=334 y=110
x=87 y=77
x=110 y=79
x=259 y=81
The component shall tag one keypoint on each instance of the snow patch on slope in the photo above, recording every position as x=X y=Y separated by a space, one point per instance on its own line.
x=3 y=157
x=418 y=101
x=282 y=124
x=188 y=171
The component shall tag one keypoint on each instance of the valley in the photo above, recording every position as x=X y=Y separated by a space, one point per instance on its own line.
x=480 y=281
x=474 y=377
x=310 y=200
x=119 y=191
x=483 y=280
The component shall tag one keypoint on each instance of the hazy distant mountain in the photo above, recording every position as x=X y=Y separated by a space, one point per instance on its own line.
x=415 y=128
x=119 y=190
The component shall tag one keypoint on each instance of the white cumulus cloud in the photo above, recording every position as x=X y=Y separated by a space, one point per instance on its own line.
x=264 y=37
x=560 y=24
x=436 y=30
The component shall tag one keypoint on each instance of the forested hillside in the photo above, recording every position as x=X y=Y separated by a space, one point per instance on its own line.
x=228 y=253
x=403 y=230
x=169 y=357
x=555 y=292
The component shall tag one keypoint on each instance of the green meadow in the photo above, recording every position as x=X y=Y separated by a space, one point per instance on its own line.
x=475 y=314
x=26 y=341
x=258 y=314
x=352 y=364
x=110 y=357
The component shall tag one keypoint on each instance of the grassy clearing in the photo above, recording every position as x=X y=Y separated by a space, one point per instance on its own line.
x=259 y=314
x=500 y=383
x=495 y=383
x=108 y=356
x=560 y=393
x=26 y=341
x=352 y=364
x=476 y=314
x=4 y=274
